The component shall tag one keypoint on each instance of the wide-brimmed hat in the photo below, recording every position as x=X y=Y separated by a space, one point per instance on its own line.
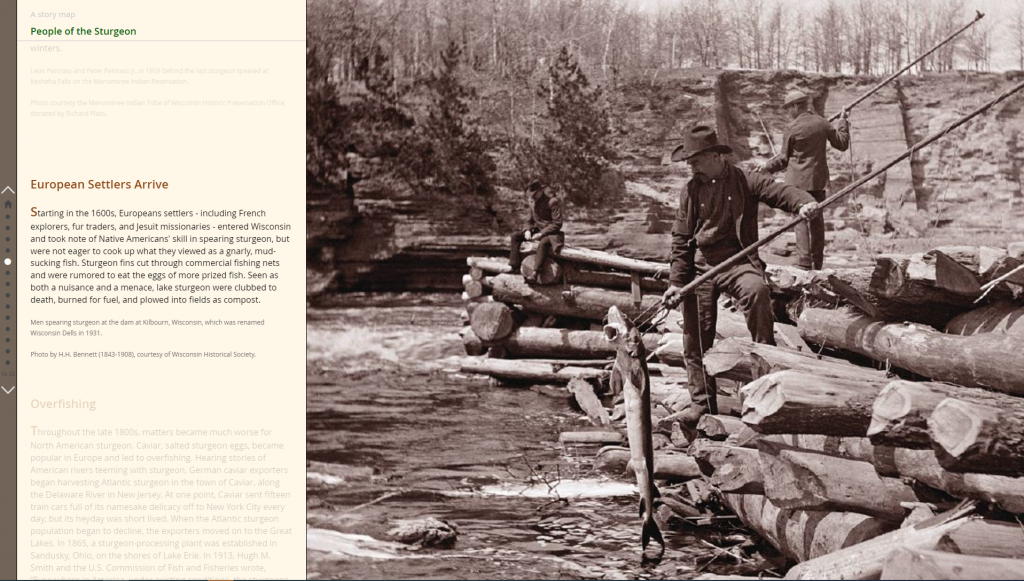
x=794 y=96
x=698 y=140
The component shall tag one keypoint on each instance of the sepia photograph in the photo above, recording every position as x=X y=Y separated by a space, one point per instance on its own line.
x=664 y=289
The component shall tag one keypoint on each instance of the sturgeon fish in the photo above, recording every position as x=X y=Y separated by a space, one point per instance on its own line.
x=630 y=376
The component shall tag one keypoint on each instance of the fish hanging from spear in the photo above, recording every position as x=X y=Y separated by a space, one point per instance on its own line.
x=631 y=378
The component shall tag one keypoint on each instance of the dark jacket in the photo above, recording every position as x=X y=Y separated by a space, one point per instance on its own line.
x=750 y=188
x=803 y=150
x=545 y=216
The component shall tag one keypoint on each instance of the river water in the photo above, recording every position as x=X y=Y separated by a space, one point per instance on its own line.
x=394 y=432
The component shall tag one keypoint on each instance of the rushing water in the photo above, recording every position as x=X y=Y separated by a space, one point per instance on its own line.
x=394 y=432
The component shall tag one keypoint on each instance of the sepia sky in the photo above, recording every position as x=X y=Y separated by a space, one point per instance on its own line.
x=997 y=15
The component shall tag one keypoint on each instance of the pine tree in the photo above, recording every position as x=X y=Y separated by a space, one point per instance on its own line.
x=573 y=156
x=450 y=149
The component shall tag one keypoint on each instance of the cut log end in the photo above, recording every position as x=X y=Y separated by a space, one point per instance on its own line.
x=852 y=296
x=955 y=277
x=763 y=398
x=474 y=288
x=718 y=427
x=955 y=426
x=492 y=321
x=472 y=343
x=887 y=278
x=890 y=407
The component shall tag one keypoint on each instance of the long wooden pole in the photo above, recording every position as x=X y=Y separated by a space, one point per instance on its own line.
x=742 y=255
x=978 y=16
x=766 y=134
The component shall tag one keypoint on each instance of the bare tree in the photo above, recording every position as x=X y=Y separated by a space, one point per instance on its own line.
x=893 y=39
x=705 y=20
x=746 y=26
x=777 y=37
x=828 y=35
x=863 y=33
x=513 y=39
x=1017 y=31
x=949 y=17
x=609 y=31
x=978 y=46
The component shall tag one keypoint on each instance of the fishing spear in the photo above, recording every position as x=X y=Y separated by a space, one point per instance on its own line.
x=742 y=255
x=766 y=134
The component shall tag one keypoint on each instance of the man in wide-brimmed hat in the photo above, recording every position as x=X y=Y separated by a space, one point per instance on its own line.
x=543 y=225
x=716 y=219
x=803 y=156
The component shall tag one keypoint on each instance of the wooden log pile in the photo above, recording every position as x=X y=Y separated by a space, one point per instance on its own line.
x=882 y=436
x=910 y=401
x=551 y=332
x=559 y=316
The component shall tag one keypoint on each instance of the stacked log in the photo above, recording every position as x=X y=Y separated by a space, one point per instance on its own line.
x=741 y=359
x=549 y=330
x=982 y=360
x=829 y=437
x=804 y=534
x=795 y=478
x=589 y=303
x=530 y=372
x=856 y=287
x=796 y=402
x=975 y=437
x=559 y=315
x=899 y=392
x=1003 y=316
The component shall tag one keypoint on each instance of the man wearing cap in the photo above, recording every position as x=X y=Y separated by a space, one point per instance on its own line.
x=803 y=157
x=717 y=217
x=544 y=225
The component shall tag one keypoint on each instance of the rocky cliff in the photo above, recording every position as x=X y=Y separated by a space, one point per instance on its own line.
x=378 y=235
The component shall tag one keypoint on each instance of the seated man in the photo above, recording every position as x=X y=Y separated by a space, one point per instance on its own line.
x=544 y=226
x=716 y=219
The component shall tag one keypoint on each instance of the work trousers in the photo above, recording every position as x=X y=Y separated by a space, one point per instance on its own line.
x=747 y=286
x=545 y=246
x=810 y=238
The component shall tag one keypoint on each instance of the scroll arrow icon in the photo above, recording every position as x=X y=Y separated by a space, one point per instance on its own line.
x=8 y=390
